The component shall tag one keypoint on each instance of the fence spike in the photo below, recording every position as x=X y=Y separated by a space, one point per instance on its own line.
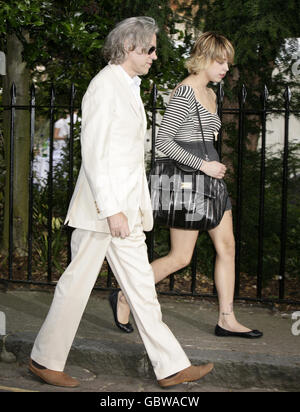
x=72 y=93
x=243 y=94
x=220 y=93
x=13 y=93
x=52 y=96
x=32 y=93
x=265 y=94
x=287 y=94
x=154 y=92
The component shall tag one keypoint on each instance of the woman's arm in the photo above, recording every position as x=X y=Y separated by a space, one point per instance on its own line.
x=176 y=112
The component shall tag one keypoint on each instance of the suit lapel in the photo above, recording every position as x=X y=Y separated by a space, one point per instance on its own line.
x=138 y=109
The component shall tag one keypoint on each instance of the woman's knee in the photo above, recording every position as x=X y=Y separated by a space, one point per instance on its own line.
x=179 y=261
x=226 y=248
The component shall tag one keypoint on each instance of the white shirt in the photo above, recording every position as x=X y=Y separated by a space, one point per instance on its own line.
x=134 y=83
x=64 y=125
x=64 y=130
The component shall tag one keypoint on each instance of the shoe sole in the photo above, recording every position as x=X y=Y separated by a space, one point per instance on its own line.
x=238 y=336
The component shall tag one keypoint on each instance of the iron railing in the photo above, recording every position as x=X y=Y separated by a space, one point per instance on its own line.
x=240 y=111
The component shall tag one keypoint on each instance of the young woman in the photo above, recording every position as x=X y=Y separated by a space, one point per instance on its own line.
x=178 y=138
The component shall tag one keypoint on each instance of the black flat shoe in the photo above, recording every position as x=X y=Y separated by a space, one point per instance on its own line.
x=253 y=334
x=113 y=300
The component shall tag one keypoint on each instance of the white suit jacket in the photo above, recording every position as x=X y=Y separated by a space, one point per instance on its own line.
x=112 y=177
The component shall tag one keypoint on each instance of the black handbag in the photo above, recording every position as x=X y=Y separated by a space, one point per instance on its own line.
x=186 y=198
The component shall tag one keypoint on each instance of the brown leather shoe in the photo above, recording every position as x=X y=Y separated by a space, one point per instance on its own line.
x=54 y=377
x=190 y=374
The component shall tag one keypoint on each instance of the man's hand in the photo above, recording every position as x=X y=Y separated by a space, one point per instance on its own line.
x=118 y=225
x=213 y=169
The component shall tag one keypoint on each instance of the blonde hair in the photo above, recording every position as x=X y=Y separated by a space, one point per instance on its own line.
x=209 y=47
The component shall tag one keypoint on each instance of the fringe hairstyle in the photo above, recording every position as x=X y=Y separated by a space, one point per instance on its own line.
x=209 y=47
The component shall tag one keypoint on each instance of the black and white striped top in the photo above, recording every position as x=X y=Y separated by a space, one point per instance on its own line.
x=181 y=124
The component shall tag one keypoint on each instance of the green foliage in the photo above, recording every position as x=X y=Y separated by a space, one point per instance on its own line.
x=272 y=215
x=250 y=218
x=258 y=29
x=66 y=37
x=60 y=200
x=41 y=239
x=62 y=44
x=264 y=36
x=16 y=15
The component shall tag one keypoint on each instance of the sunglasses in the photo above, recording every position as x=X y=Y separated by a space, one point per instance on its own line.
x=151 y=50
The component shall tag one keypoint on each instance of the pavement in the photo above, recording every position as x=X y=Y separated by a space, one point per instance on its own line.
x=100 y=349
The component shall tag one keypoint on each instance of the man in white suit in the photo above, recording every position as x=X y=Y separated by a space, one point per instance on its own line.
x=110 y=210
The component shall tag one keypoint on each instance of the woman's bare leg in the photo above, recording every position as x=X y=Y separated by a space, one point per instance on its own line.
x=223 y=239
x=179 y=256
x=182 y=247
x=181 y=252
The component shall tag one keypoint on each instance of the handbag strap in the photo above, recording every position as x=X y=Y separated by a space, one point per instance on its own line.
x=201 y=128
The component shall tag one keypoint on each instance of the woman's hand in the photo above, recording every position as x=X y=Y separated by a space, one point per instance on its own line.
x=213 y=169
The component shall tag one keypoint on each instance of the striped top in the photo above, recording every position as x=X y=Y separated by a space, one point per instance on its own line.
x=180 y=124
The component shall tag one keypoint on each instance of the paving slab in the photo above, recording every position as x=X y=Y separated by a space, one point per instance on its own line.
x=270 y=362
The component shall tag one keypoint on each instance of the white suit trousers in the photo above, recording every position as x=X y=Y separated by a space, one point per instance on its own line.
x=128 y=260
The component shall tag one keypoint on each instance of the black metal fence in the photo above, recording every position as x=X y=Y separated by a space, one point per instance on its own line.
x=241 y=112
